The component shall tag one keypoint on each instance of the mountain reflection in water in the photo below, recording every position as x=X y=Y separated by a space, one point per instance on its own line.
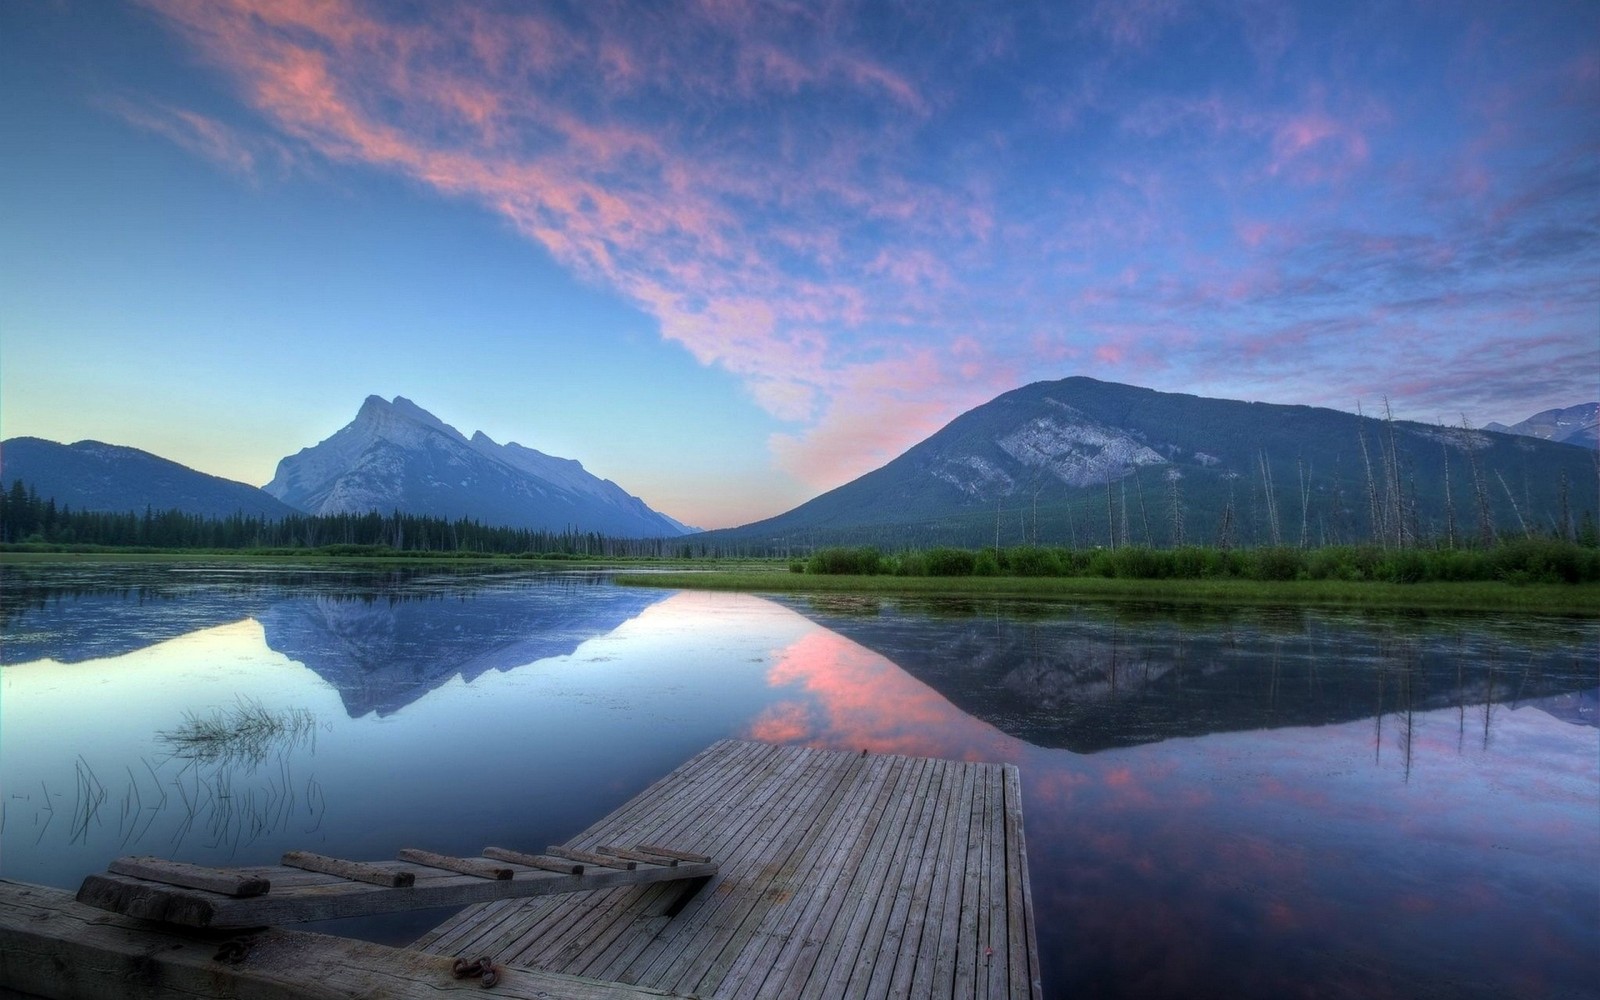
x=1251 y=803
x=1098 y=677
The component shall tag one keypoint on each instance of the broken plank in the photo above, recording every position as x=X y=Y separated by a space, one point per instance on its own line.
x=354 y=870
x=591 y=858
x=229 y=883
x=543 y=861
x=466 y=866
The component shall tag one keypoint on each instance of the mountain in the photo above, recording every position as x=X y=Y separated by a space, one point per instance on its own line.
x=1579 y=425
x=398 y=456
x=92 y=475
x=1084 y=462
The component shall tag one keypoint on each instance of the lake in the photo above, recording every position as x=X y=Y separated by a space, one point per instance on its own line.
x=1250 y=803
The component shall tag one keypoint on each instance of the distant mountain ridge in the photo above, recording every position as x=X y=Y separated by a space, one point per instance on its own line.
x=1083 y=462
x=93 y=475
x=1579 y=425
x=395 y=455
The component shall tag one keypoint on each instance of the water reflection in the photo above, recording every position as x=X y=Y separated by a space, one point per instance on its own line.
x=1248 y=804
x=1094 y=678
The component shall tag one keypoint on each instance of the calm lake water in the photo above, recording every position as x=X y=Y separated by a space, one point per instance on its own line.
x=1228 y=803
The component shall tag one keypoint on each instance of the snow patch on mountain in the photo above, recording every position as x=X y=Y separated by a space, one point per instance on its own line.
x=1078 y=452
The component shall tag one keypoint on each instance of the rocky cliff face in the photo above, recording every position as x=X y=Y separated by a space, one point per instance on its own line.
x=397 y=456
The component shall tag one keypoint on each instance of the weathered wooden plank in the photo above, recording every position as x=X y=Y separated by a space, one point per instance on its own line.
x=992 y=959
x=1022 y=937
x=858 y=960
x=838 y=875
x=466 y=866
x=936 y=978
x=592 y=858
x=830 y=867
x=354 y=870
x=966 y=953
x=53 y=947
x=667 y=852
x=189 y=876
x=832 y=965
x=541 y=861
x=737 y=819
x=797 y=967
x=520 y=931
x=702 y=931
x=898 y=922
x=919 y=940
x=623 y=942
x=339 y=898
x=802 y=836
x=630 y=854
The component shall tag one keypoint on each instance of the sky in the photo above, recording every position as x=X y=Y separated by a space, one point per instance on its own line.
x=732 y=254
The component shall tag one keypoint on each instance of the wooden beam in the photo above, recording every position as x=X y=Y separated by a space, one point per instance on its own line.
x=631 y=855
x=229 y=883
x=56 y=948
x=667 y=852
x=591 y=858
x=321 y=897
x=466 y=866
x=542 y=861
x=354 y=870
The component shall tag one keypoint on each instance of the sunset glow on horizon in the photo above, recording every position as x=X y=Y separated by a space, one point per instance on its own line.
x=731 y=254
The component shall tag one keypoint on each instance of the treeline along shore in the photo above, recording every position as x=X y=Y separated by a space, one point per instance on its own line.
x=31 y=523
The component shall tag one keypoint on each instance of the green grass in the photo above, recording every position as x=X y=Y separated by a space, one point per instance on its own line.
x=1560 y=599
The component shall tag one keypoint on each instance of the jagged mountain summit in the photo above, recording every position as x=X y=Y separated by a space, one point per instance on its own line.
x=397 y=456
x=93 y=475
x=1082 y=462
x=1579 y=425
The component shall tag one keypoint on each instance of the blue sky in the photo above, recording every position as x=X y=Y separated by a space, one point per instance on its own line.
x=732 y=254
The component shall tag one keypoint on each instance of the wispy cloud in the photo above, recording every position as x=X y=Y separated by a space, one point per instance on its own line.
x=876 y=217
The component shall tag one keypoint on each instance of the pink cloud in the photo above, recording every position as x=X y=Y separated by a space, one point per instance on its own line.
x=206 y=137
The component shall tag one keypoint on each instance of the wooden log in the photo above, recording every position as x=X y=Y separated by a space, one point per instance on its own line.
x=544 y=861
x=354 y=870
x=667 y=852
x=191 y=876
x=591 y=858
x=466 y=866
x=631 y=855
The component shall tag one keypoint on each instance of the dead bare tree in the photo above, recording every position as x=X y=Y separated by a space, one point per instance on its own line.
x=1449 y=502
x=1486 y=533
x=1380 y=534
x=1175 y=506
x=1305 y=502
x=1271 y=499
x=1514 y=508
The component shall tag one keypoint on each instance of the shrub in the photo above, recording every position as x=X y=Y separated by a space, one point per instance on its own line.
x=855 y=562
x=1031 y=560
x=950 y=562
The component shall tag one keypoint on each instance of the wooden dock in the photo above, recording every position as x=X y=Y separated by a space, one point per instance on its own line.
x=836 y=875
x=841 y=875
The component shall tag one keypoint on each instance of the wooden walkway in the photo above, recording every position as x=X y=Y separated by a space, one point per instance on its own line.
x=840 y=875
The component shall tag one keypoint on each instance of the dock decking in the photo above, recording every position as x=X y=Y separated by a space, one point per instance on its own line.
x=841 y=875
x=791 y=873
